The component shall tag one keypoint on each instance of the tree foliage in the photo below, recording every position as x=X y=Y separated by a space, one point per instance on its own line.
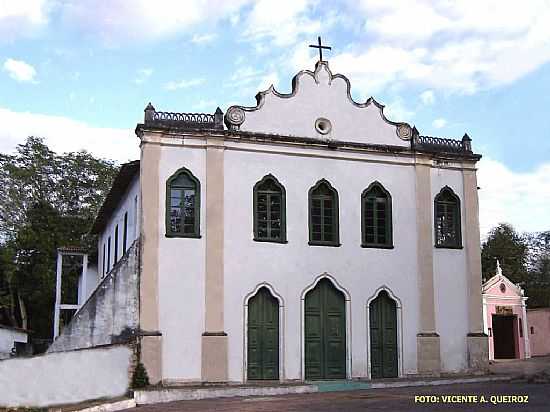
x=47 y=200
x=510 y=248
x=538 y=266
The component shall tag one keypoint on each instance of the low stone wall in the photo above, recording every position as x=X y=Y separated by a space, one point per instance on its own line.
x=65 y=377
x=538 y=328
x=111 y=314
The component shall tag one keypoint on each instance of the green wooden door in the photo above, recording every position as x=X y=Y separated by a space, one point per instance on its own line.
x=325 y=332
x=383 y=337
x=263 y=336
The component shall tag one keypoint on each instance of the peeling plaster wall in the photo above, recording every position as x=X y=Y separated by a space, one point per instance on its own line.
x=67 y=377
x=110 y=312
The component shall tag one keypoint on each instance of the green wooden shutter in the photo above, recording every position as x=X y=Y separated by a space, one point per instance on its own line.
x=314 y=352
x=335 y=333
x=183 y=205
x=323 y=215
x=376 y=340
x=448 y=232
x=376 y=217
x=269 y=210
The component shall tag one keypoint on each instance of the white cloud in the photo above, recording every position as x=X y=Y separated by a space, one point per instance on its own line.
x=19 y=70
x=205 y=104
x=117 y=144
x=143 y=75
x=281 y=21
x=380 y=66
x=439 y=123
x=248 y=80
x=518 y=198
x=398 y=112
x=270 y=79
x=21 y=18
x=244 y=75
x=460 y=46
x=183 y=84
x=123 y=20
x=203 y=38
x=234 y=19
x=427 y=97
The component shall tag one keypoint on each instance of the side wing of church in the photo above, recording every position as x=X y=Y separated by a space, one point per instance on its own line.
x=307 y=238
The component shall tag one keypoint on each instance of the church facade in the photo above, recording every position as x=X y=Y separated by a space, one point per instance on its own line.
x=308 y=237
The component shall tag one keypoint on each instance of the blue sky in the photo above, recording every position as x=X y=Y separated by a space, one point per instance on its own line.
x=80 y=73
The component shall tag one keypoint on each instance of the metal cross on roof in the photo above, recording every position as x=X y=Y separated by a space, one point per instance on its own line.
x=320 y=47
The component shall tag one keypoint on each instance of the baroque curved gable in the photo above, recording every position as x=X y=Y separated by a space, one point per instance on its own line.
x=319 y=106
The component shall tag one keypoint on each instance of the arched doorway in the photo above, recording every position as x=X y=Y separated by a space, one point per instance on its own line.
x=325 y=332
x=263 y=336
x=383 y=336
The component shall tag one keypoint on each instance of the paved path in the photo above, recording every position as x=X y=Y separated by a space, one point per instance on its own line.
x=398 y=399
x=521 y=367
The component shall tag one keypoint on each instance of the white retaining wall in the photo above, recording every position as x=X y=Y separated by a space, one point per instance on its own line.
x=65 y=377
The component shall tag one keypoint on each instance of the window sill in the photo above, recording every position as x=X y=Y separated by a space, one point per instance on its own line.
x=368 y=246
x=448 y=247
x=179 y=235
x=270 y=241
x=324 y=244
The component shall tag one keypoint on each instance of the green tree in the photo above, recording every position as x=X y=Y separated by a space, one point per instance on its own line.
x=47 y=200
x=27 y=177
x=510 y=248
x=538 y=285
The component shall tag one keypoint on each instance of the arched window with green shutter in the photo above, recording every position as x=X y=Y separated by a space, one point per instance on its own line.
x=183 y=205
x=376 y=217
x=447 y=219
x=323 y=215
x=269 y=210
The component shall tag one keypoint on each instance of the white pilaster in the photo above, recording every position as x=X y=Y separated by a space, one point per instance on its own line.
x=527 y=344
x=57 y=295
x=84 y=292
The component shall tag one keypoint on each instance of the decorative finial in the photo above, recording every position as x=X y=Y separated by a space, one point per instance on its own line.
x=499 y=269
x=149 y=113
x=218 y=118
x=320 y=47
x=466 y=143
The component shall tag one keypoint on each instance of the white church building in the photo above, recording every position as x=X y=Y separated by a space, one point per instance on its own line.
x=308 y=238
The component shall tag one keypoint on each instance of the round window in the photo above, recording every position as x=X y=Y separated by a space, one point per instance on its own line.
x=323 y=125
x=502 y=287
